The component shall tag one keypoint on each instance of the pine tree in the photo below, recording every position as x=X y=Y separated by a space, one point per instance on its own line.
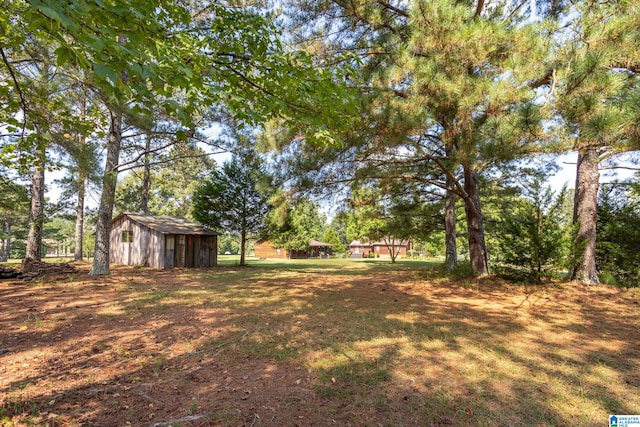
x=597 y=93
x=229 y=200
x=330 y=236
x=448 y=92
x=534 y=232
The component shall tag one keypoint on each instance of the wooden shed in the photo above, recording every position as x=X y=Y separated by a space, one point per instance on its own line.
x=161 y=241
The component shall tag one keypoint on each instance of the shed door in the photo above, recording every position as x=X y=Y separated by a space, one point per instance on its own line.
x=127 y=242
x=181 y=249
x=169 y=253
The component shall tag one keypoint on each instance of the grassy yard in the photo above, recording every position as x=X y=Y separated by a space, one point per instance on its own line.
x=324 y=342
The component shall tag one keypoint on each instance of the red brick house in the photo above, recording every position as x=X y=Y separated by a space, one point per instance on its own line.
x=316 y=249
x=359 y=249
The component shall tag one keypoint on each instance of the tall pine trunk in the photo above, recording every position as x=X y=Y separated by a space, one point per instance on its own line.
x=451 y=254
x=3 y=256
x=77 y=253
x=146 y=178
x=5 y=249
x=82 y=176
x=584 y=215
x=475 y=228
x=107 y=199
x=36 y=213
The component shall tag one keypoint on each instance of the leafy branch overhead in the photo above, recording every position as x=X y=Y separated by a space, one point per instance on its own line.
x=148 y=56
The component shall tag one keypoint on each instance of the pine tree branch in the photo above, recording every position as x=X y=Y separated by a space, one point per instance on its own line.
x=23 y=101
x=389 y=6
x=169 y=160
x=514 y=11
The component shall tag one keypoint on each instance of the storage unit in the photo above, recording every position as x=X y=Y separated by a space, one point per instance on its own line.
x=161 y=241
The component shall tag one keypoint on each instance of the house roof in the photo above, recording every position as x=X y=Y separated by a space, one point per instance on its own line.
x=312 y=243
x=317 y=244
x=379 y=243
x=166 y=224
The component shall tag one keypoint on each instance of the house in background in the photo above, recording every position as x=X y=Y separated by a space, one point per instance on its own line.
x=161 y=241
x=359 y=249
x=316 y=249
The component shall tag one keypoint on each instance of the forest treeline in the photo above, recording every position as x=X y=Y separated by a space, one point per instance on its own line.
x=438 y=121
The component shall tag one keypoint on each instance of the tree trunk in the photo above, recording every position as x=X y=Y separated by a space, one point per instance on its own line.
x=146 y=178
x=451 y=257
x=391 y=247
x=584 y=215
x=7 y=246
x=82 y=176
x=77 y=254
x=36 y=214
x=105 y=211
x=475 y=227
x=4 y=243
x=243 y=243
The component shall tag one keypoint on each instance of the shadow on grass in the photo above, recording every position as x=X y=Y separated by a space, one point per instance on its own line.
x=298 y=343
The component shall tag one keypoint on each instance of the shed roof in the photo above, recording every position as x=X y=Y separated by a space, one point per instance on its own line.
x=166 y=224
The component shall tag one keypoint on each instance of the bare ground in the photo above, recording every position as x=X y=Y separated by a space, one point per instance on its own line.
x=308 y=347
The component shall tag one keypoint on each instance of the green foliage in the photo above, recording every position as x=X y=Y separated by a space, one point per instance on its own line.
x=339 y=225
x=228 y=244
x=597 y=94
x=330 y=236
x=461 y=271
x=618 y=239
x=534 y=233
x=59 y=234
x=14 y=214
x=385 y=212
x=445 y=89
x=153 y=61
x=228 y=200
x=430 y=246
x=292 y=226
x=89 y=235
x=174 y=178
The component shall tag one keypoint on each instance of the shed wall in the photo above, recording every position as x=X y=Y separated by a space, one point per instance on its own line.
x=192 y=251
x=119 y=251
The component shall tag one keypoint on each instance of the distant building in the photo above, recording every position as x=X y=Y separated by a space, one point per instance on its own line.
x=359 y=249
x=316 y=249
x=161 y=241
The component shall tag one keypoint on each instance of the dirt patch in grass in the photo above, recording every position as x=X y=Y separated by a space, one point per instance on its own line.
x=339 y=343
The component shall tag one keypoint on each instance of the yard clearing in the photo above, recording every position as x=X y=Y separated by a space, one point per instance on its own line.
x=314 y=343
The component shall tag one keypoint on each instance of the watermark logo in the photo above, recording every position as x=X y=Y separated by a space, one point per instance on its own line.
x=624 y=420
